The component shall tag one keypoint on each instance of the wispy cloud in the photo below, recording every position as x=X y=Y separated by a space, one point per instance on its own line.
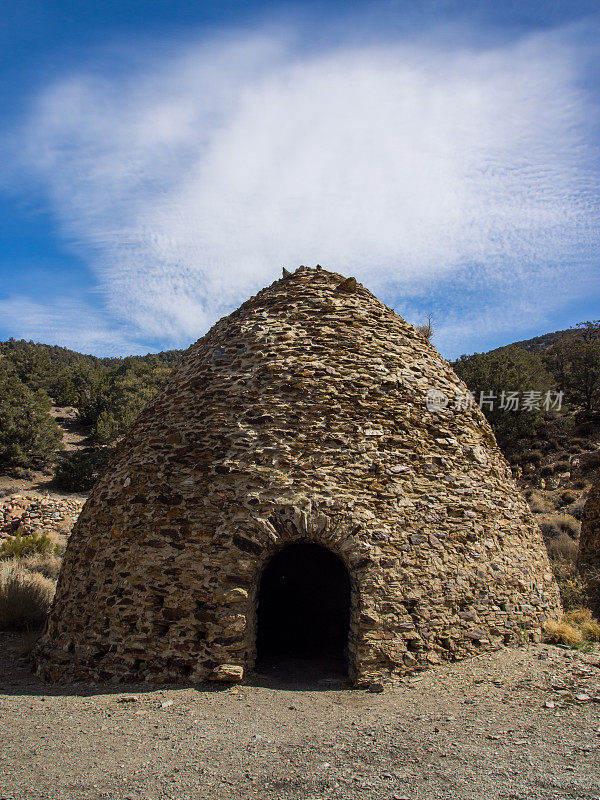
x=68 y=322
x=456 y=177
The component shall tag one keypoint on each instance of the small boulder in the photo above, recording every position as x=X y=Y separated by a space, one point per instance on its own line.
x=227 y=673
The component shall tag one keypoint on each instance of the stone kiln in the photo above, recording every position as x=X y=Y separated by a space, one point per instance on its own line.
x=589 y=545
x=292 y=460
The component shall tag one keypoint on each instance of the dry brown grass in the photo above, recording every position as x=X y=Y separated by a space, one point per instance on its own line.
x=574 y=588
x=567 y=497
x=540 y=505
x=25 y=596
x=563 y=633
x=576 y=508
x=554 y=525
x=48 y=565
x=582 y=618
x=576 y=629
x=562 y=547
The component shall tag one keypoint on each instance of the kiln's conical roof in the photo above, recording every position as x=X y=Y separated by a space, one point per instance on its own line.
x=292 y=388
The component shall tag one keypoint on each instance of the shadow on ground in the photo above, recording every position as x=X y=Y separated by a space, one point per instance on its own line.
x=290 y=674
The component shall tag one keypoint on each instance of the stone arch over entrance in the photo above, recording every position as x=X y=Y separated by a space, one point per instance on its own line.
x=303 y=610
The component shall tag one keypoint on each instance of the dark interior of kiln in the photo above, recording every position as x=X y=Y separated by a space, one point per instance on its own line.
x=304 y=611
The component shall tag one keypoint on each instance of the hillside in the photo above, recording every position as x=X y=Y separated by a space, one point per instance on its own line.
x=539 y=344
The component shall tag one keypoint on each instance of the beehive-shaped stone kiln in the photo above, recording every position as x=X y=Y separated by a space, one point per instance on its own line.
x=589 y=545
x=291 y=485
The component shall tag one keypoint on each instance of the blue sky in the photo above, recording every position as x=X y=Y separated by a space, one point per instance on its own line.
x=163 y=160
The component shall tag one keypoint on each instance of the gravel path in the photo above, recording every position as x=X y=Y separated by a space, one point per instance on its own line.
x=506 y=725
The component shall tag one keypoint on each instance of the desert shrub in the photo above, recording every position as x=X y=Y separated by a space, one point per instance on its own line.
x=562 y=547
x=557 y=524
x=427 y=328
x=562 y=465
x=568 y=497
x=546 y=470
x=548 y=528
x=25 y=597
x=78 y=472
x=539 y=505
x=576 y=508
x=46 y=565
x=533 y=457
x=20 y=472
x=581 y=442
x=556 y=500
x=574 y=589
x=31 y=544
x=569 y=525
x=585 y=429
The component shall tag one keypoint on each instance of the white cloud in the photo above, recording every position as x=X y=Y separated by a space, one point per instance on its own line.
x=428 y=173
x=68 y=322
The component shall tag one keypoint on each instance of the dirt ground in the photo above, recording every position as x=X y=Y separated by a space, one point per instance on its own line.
x=518 y=724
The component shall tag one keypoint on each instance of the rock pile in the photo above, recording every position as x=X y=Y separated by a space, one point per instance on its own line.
x=21 y=515
x=307 y=414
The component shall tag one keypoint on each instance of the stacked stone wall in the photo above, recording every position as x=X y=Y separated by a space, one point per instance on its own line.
x=21 y=515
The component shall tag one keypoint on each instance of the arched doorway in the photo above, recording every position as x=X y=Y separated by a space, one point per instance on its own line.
x=304 y=611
